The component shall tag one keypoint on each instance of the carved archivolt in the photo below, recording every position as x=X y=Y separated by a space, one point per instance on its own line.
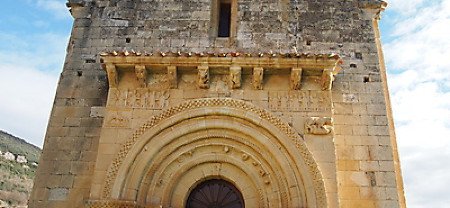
x=319 y=125
x=112 y=204
x=210 y=138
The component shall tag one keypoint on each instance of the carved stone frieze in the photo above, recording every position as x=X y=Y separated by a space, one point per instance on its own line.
x=138 y=98
x=319 y=125
x=299 y=101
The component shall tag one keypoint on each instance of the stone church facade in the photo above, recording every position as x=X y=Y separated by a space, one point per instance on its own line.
x=221 y=103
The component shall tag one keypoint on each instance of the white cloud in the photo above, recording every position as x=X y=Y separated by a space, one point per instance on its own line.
x=27 y=95
x=29 y=72
x=418 y=57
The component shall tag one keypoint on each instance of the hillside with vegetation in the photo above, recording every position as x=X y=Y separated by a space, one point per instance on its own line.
x=18 y=164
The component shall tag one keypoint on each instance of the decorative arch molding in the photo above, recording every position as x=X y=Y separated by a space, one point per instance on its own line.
x=198 y=136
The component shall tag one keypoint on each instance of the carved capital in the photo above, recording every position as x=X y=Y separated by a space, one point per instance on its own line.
x=258 y=75
x=203 y=77
x=141 y=75
x=296 y=78
x=235 y=77
x=113 y=76
x=318 y=125
x=172 y=76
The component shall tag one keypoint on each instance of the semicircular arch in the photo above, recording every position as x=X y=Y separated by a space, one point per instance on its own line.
x=233 y=113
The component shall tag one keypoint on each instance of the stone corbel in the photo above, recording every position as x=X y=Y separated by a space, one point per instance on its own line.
x=79 y=8
x=319 y=125
x=372 y=8
x=75 y=3
x=296 y=78
x=113 y=76
x=203 y=77
x=141 y=75
x=328 y=76
x=172 y=76
x=327 y=79
x=235 y=77
x=258 y=75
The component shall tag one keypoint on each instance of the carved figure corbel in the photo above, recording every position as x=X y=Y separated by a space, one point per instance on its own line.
x=113 y=76
x=203 y=77
x=172 y=76
x=141 y=75
x=296 y=78
x=258 y=74
x=319 y=125
x=328 y=75
x=235 y=77
x=327 y=79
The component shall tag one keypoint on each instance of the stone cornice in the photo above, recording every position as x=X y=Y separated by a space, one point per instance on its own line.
x=273 y=60
x=327 y=64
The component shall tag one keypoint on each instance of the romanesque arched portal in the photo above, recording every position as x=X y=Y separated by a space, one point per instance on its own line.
x=215 y=138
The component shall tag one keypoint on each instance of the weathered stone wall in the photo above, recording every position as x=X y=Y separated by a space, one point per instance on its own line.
x=277 y=25
x=356 y=160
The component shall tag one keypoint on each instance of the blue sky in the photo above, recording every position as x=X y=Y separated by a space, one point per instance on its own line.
x=416 y=41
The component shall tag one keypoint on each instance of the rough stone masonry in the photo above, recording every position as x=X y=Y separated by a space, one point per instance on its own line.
x=281 y=103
